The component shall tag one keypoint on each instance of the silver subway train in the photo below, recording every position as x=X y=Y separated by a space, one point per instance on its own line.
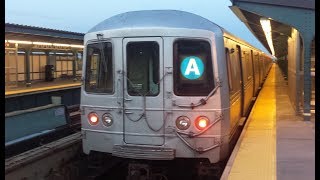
x=166 y=84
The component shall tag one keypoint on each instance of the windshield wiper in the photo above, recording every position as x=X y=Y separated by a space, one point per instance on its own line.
x=104 y=61
x=202 y=101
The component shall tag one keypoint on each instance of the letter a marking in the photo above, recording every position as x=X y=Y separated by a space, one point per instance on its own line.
x=192 y=67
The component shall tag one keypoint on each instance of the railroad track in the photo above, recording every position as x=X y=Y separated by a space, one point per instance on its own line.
x=49 y=161
x=68 y=162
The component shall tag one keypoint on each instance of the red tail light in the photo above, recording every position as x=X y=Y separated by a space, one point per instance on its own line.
x=202 y=122
x=93 y=119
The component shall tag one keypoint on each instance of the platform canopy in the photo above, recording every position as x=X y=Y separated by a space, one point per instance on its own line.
x=250 y=12
x=273 y=22
x=38 y=34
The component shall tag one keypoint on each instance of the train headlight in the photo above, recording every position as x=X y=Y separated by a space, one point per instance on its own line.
x=183 y=123
x=202 y=122
x=93 y=118
x=107 y=120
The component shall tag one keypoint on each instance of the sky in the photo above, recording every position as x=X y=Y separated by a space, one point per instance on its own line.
x=82 y=15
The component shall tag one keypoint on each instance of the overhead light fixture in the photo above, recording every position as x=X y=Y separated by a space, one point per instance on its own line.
x=42 y=43
x=266 y=26
x=77 y=46
x=19 y=42
x=65 y=45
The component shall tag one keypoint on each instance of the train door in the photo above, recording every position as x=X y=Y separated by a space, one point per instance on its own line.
x=143 y=91
x=241 y=78
x=247 y=80
x=233 y=69
x=260 y=70
x=254 y=72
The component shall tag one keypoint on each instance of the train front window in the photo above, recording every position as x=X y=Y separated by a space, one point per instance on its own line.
x=192 y=68
x=99 y=68
x=143 y=68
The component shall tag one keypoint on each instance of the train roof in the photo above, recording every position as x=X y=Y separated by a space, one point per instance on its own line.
x=156 y=18
x=162 y=18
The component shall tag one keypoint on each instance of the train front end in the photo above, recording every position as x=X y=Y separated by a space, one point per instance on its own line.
x=154 y=93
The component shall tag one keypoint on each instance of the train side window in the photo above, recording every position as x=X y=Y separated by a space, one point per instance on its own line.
x=143 y=68
x=192 y=67
x=229 y=70
x=99 y=69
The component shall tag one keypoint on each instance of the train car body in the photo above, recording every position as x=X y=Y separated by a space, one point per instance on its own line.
x=166 y=84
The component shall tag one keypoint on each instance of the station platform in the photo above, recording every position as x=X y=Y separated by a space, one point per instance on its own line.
x=41 y=86
x=275 y=143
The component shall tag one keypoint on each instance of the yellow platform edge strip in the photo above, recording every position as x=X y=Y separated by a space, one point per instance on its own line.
x=14 y=92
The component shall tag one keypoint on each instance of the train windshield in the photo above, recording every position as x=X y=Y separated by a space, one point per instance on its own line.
x=143 y=68
x=99 y=68
x=192 y=66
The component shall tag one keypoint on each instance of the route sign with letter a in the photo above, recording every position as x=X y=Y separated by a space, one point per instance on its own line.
x=192 y=67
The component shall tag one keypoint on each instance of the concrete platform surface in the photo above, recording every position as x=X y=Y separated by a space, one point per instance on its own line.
x=275 y=142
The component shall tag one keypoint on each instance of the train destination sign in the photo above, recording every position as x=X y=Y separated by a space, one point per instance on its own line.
x=192 y=67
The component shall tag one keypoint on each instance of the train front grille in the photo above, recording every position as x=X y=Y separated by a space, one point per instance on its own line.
x=143 y=152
